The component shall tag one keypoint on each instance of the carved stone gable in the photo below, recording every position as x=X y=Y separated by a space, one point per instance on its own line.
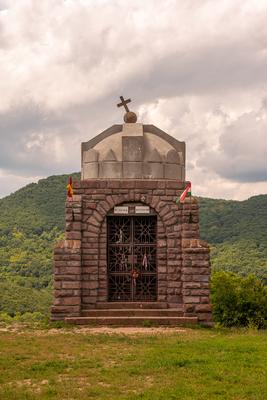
x=133 y=151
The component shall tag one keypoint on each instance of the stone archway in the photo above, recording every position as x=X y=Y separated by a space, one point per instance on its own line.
x=168 y=268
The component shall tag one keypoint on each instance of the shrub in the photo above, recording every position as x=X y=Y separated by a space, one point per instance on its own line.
x=16 y=299
x=30 y=318
x=238 y=301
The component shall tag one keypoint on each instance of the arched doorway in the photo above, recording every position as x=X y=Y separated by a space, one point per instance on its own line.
x=132 y=253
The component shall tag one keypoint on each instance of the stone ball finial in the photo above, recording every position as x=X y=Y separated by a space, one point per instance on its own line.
x=130 y=117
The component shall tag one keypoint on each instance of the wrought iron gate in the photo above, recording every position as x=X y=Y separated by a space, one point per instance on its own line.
x=132 y=267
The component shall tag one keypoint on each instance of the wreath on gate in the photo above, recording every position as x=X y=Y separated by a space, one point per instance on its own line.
x=135 y=275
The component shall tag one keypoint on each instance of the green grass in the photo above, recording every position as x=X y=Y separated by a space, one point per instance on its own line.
x=70 y=364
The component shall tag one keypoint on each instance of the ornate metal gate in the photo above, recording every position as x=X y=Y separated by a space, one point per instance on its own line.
x=132 y=267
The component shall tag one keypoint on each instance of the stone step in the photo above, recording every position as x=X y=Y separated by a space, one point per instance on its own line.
x=130 y=305
x=131 y=321
x=135 y=312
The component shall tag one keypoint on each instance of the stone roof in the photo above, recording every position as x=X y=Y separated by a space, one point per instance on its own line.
x=133 y=150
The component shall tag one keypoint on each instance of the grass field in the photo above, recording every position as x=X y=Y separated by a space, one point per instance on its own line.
x=70 y=364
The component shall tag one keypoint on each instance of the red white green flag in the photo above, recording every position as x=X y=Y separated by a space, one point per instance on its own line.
x=186 y=193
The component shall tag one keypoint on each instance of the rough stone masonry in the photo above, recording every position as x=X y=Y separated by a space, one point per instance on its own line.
x=127 y=168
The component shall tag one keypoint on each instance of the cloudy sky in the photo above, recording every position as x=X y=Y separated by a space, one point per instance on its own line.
x=195 y=68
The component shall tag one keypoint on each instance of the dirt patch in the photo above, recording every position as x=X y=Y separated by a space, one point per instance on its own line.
x=11 y=328
x=111 y=331
x=27 y=383
x=20 y=329
x=131 y=330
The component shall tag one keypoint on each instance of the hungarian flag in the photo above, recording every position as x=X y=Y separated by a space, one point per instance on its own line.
x=70 y=188
x=186 y=193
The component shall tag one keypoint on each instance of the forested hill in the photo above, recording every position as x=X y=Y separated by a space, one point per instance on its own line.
x=39 y=207
x=224 y=220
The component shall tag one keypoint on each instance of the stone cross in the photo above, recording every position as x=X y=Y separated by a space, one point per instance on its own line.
x=124 y=103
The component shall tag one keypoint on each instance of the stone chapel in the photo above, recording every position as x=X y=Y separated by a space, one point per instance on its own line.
x=131 y=253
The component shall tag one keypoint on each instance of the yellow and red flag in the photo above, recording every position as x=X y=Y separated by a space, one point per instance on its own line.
x=70 y=188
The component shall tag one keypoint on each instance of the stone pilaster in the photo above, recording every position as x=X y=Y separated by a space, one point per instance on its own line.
x=67 y=265
x=195 y=279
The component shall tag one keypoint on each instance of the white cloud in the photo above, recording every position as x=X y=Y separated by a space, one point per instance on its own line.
x=226 y=154
x=196 y=69
x=241 y=154
x=10 y=183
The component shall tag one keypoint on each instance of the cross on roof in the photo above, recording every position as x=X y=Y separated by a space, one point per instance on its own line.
x=124 y=103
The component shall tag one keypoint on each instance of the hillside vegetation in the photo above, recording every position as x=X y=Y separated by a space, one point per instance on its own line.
x=35 y=208
x=32 y=220
x=228 y=220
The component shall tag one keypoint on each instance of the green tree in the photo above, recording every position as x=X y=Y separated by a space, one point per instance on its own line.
x=237 y=300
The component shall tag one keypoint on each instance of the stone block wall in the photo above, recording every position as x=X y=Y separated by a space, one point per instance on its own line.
x=67 y=279
x=195 y=279
x=80 y=267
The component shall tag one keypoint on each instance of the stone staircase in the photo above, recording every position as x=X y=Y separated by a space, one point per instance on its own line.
x=132 y=314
